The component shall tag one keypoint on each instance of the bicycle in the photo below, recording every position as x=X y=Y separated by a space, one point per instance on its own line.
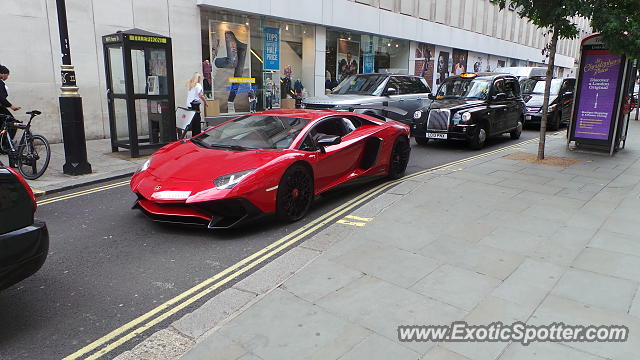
x=31 y=154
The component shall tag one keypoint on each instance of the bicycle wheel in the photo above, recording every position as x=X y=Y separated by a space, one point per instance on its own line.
x=34 y=157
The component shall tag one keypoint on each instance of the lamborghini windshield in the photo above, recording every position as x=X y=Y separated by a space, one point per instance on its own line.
x=253 y=132
x=455 y=88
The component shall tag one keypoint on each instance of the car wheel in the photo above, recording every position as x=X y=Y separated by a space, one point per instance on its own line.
x=515 y=133
x=399 y=157
x=479 y=138
x=295 y=193
x=422 y=141
x=554 y=125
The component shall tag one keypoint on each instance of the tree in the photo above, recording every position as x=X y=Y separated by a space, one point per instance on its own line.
x=619 y=23
x=555 y=17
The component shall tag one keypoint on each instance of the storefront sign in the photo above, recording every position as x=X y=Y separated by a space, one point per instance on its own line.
x=149 y=39
x=242 y=80
x=271 y=49
x=598 y=87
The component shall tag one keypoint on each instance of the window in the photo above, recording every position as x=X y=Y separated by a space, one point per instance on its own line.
x=254 y=132
x=511 y=88
x=351 y=123
x=568 y=86
x=328 y=127
x=411 y=85
x=498 y=86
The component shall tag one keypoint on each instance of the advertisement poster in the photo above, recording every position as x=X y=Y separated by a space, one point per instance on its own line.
x=596 y=105
x=271 y=90
x=459 y=61
x=368 y=59
x=229 y=50
x=477 y=62
x=442 y=67
x=271 y=50
x=347 y=58
x=425 y=62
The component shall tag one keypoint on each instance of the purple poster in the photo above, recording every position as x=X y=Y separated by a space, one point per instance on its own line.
x=596 y=106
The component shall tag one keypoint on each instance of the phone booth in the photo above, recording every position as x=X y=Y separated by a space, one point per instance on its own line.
x=141 y=103
x=603 y=88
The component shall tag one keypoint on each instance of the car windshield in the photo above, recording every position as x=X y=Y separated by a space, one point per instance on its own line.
x=253 y=132
x=463 y=88
x=536 y=86
x=359 y=85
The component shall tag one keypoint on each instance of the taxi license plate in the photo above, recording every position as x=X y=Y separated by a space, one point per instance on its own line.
x=527 y=117
x=436 y=136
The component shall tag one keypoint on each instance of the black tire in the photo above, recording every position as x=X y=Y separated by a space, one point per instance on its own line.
x=399 y=157
x=34 y=157
x=295 y=193
x=422 y=141
x=479 y=138
x=554 y=124
x=515 y=133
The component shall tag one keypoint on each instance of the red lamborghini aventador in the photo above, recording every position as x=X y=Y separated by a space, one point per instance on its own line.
x=267 y=162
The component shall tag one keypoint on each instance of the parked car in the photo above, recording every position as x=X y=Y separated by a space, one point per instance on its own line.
x=270 y=162
x=472 y=107
x=24 y=242
x=522 y=71
x=406 y=92
x=560 y=101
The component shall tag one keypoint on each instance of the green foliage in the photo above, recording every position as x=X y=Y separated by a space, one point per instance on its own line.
x=619 y=23
x=548 y=14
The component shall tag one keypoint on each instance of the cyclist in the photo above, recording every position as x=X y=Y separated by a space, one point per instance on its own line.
x=5 y=105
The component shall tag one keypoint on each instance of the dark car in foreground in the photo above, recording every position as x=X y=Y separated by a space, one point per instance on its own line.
x=406 y=92
x=471 y=107
x=24 y=242
x=560 y=101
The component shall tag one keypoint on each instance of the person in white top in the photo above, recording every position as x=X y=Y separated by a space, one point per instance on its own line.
x=195 y=97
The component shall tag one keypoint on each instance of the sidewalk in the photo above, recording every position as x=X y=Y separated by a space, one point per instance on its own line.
x=105 y=165
x=488 y=240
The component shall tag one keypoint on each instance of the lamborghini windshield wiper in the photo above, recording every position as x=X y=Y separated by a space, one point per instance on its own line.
x=231 y=147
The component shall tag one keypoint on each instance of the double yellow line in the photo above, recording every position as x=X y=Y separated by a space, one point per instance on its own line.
x=137 y=326
x=81 y=193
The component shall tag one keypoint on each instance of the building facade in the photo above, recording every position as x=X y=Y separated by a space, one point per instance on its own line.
x=278 y=50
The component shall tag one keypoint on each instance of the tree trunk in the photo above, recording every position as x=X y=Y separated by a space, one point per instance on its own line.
x=547 y=90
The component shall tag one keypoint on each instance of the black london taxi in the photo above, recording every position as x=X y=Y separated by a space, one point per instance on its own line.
x=472 y=107
x=560 y=101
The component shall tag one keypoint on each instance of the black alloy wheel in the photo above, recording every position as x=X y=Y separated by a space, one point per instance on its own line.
x=515 y=133
x=554 y=124
x=295 y=193
x=399 y=157
x=479 y=137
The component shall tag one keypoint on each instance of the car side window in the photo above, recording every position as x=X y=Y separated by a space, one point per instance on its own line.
x=498 y=87
x=568 y=86
x=511 y=88
x=329 y=127
x=351 y=124
x=393 y=83
x=308 y=144
x=421 y=85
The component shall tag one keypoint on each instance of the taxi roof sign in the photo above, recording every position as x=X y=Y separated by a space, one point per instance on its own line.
x=468 y=75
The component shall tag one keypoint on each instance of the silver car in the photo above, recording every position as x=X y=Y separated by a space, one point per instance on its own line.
x=409 y=93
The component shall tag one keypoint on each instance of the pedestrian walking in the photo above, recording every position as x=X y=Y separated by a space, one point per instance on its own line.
x=5 y=105
x=253 y=100
x=195 y=97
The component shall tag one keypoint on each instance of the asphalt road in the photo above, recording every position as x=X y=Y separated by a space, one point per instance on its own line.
x=109 y=264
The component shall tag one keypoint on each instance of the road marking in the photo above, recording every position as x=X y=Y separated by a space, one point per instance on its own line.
x=83 y=192
x=352 y=223
x=198 y=291
x=353 y=217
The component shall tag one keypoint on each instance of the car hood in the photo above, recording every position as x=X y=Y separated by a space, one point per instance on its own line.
x=454 y=104
x=189 y=163
x=536 y=100
x=333 y=99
